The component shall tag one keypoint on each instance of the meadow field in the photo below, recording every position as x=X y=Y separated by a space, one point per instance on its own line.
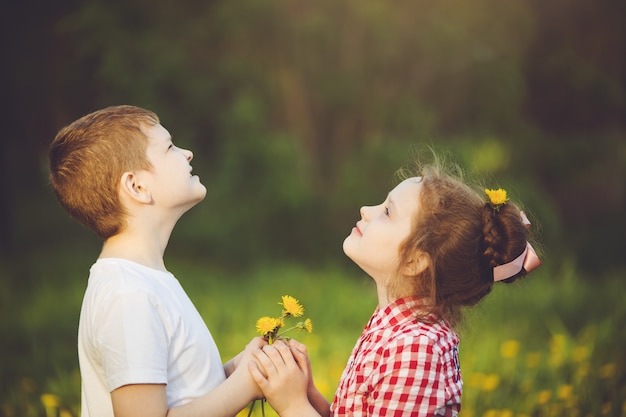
x=551 y=345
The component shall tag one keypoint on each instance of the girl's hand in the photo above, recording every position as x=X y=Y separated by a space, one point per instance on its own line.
x=301 y=355
x=282 y=373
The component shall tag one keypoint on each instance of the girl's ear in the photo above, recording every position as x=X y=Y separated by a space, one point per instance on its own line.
x=131 y=187
x=418 y=263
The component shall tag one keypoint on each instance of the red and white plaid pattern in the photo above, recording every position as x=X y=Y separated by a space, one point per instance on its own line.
x=401 y=367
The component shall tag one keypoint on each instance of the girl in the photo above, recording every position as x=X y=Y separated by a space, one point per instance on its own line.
x=433 y=247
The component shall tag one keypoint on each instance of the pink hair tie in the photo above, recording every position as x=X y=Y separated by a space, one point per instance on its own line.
x=528 y=260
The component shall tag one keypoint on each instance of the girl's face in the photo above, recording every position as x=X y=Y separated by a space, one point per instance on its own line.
x=374 y=244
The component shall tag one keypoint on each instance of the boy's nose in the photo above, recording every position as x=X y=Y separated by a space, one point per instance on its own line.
x=189 y=155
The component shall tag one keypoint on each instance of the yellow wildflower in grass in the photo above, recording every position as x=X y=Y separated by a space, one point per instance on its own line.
x=496 y=197
x=50 y=400
x=291 y=307
x=506 y=413
x=490 y=382
x=544 y=396
x=564 y=392
x=509 y=349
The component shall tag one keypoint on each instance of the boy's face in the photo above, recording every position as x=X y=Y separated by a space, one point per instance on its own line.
x=170 y=182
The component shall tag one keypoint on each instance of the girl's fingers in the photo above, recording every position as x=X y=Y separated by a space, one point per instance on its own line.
x=265 y=362
x=295 y=345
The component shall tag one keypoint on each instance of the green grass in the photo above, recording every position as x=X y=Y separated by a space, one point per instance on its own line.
x=552 y=345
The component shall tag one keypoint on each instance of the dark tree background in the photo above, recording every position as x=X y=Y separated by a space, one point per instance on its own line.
x=299 y=111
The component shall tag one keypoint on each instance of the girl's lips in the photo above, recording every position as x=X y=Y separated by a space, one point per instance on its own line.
x=357 y=230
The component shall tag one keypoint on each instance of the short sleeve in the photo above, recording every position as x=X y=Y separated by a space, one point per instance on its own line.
x=131 y=339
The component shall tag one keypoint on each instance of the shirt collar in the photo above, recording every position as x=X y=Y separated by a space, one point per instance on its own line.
x=399 y=310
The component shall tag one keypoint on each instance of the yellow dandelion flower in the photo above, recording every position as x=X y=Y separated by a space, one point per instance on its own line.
x=564 y=392
x=509 y=349
x=506 y=413
x=308 y=325
x=490 y=382
x=544 y=396
x=50 y=400
x=496 y=197
x=266 y=325
x=291 y=307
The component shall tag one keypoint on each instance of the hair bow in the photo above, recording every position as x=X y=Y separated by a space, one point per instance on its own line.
x=528 y=260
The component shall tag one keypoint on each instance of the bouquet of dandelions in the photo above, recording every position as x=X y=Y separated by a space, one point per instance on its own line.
x=271 y=328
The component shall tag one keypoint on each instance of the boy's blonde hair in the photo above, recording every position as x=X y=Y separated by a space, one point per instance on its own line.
x=88 y=158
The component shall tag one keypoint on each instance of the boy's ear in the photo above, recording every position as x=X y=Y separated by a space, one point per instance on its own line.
x=130 y=186
x=418 y=263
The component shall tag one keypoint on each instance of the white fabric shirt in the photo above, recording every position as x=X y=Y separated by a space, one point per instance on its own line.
x=138 y=326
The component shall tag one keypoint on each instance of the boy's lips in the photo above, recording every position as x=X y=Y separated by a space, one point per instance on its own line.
x=357 y=229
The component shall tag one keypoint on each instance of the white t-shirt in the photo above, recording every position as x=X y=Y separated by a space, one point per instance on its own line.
x=138 y=326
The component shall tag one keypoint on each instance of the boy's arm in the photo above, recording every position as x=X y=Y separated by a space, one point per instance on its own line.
x=233 y=363
x=149 y=400
x=225 y=400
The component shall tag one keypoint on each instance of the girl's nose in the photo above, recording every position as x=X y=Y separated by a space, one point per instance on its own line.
x=189 y=155
x=363 y=212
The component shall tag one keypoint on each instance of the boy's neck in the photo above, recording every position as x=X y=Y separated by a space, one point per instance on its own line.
x=147 y=252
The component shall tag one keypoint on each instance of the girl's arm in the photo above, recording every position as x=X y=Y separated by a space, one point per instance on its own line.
x=317 y=400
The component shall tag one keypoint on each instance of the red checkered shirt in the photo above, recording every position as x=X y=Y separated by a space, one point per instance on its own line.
x=401 y=367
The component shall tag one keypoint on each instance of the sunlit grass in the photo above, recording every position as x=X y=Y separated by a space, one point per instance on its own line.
x=550 y=346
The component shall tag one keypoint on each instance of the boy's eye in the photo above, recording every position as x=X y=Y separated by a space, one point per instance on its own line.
x=387 y=211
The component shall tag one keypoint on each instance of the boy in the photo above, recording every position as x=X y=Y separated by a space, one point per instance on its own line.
x=143 y=348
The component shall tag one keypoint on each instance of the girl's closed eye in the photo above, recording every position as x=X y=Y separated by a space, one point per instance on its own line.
x=386 y=211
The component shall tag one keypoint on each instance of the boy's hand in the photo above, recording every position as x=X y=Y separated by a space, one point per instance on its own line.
x=240 y=363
